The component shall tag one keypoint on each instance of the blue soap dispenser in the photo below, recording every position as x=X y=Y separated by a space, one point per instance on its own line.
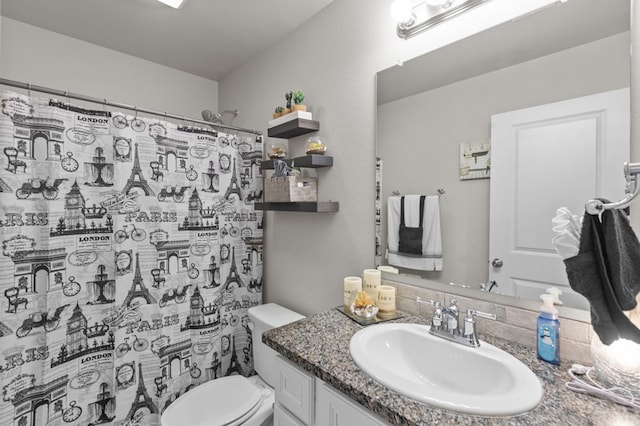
x=548 y=329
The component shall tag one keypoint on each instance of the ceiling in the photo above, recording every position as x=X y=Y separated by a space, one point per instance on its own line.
x=551 y=30
x=209 y=38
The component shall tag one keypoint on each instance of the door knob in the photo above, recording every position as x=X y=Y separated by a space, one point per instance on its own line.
x=497 y=263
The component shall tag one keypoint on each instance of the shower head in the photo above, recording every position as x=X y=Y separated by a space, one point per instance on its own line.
x=208 y=115
x=216 y=118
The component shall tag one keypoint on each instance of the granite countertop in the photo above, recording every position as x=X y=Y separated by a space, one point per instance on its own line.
x=320 y=345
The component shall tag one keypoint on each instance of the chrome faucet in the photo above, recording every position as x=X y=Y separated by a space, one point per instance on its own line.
x=451 y=314
x=445 y=323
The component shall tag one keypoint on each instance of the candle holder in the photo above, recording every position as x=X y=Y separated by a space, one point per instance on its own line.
x=352 y=285
x=387 y=300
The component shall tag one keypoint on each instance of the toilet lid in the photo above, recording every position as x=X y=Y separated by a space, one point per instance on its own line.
x=217 y=402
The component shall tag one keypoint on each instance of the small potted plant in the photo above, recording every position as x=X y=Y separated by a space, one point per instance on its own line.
x=298 y=97
x=288 y=96
x=278 y=112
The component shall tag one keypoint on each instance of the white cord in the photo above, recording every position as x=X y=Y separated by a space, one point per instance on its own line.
x=616 y=394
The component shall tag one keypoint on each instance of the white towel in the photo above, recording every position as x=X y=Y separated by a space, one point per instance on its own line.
x=431 y=258
x=566 y=229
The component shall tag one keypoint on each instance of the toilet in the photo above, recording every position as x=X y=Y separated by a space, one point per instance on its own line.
x=237 y=400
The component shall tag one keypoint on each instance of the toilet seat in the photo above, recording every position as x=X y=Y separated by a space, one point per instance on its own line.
x=229 y=401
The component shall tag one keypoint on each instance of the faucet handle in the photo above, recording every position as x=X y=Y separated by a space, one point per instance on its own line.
x=470 y=325
x=471 y=313
x=436 y=321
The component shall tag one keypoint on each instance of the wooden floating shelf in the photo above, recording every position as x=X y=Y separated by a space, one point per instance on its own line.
x=317 y=207
x=309 y=161
x=293 y=128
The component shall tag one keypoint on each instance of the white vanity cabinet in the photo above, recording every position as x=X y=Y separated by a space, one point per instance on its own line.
x=304 y=400
x=281 y=417
x=335 y=409
x=295 y=395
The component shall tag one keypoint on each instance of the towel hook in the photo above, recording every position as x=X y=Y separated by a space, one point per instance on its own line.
x=631 y=172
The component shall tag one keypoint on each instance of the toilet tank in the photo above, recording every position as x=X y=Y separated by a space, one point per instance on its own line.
x=265 y=317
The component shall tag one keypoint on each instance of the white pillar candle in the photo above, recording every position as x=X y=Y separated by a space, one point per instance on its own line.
x=386 y=268
x=371 y=282
x=387 y=300
x=352 y=285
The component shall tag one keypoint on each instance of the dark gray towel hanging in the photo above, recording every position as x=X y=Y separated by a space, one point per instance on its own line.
x=623 y=257
x=590 y=274
x=409 y=238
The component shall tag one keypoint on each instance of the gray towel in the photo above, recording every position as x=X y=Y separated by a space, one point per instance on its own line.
x=623 y=257
x=588 y=274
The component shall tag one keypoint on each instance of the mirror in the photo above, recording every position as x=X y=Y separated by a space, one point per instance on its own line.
x=435 y=102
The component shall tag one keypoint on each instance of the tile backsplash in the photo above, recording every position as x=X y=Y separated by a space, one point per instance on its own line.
x=513 y=324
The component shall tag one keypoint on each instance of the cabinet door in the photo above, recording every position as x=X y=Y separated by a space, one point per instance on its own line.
x=335 y=409
x=295 y=391
x=281 y=417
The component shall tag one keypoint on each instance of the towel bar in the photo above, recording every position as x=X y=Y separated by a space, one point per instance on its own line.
x=440 y=191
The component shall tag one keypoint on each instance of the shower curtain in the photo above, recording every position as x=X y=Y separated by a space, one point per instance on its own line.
x=131 y=252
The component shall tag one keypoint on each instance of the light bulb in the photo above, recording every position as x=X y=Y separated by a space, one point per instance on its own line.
x=401 y=10
x=176 y=4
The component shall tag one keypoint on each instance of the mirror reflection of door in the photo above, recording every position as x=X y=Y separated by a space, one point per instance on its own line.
x=172 y=163
x=41 y=414
x=556 y=155
x=41 y=281
x=40 y=147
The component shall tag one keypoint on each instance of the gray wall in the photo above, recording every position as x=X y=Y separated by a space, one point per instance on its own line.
x=333 y=57
x=34 y=55
x=419 y=138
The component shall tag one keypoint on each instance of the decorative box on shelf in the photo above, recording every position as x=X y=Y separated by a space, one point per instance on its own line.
x=291 y=125
x=306 y=115
x=289 y=189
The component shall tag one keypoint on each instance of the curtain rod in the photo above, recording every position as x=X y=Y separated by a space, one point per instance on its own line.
x=29 y=86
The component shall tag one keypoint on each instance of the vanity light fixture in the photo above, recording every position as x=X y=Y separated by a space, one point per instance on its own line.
x=415 y=17
x=176 y=4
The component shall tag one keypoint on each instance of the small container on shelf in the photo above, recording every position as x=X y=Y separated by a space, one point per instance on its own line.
x=277 y=151
x=315 y=146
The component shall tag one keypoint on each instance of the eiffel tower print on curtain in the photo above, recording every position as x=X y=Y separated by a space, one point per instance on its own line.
x=140 y=182
x=142 y=399
x=233 y=276
x=138 y=289
x=234 y=187
x=234 y=365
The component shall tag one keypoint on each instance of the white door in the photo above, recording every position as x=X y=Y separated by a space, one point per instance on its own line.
x=545 y=157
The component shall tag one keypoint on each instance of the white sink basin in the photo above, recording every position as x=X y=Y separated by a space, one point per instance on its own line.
x=484 y=381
